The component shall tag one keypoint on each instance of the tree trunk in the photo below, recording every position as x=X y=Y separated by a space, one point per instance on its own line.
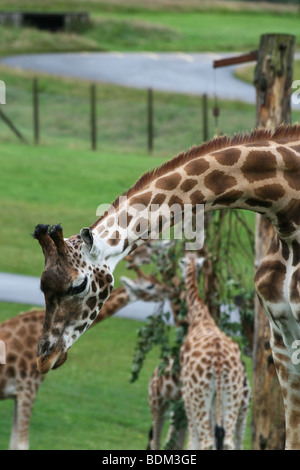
x=273 y=80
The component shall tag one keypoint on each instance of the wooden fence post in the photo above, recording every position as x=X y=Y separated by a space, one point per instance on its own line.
x=36 y=123
x=273 y=80
x=93 y=117
x=150 y=120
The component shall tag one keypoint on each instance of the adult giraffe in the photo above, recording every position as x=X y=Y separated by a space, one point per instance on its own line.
x=259 y=172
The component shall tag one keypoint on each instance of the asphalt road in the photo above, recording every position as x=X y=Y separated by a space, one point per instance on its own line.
x=178 y=72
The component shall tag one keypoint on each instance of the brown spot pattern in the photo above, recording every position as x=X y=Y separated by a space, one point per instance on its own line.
x=143 y=199
x=269 y=280
x=270 y=191
x=292 y=167
x=218 y=182
x=188 y=185
x=228 y=156
x=196 y=167
x=228 y=198
x=259 y=165
x=168 y=182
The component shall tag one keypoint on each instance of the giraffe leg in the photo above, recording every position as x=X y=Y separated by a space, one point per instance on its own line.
x=176 y=436
x=242 y=417
x=198 y=406
x=21 y=420
x=13 y=436
x=158 y=420
x=231 y=404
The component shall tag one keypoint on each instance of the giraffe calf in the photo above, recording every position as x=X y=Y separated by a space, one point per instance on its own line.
x=165 y=387
x=215 y=388
x=162 y=389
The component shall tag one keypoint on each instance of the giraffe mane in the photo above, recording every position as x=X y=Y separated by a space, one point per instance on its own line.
x=218 y=143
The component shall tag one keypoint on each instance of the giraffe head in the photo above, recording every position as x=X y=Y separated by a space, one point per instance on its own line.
x=143 y=288
x=75 y=289
x=184 y=263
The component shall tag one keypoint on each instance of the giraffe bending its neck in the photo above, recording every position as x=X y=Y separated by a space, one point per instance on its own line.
x=259 y=172
x=212 y=376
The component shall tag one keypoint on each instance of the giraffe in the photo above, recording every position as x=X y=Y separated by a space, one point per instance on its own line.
x=19 y=376
x=212 y=375
x=162 y=389
x=258 y=172
x=166 y=387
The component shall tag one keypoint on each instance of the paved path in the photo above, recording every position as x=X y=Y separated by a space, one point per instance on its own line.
x=178 y=72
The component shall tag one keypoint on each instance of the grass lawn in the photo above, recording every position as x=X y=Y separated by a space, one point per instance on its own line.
x=154 y=26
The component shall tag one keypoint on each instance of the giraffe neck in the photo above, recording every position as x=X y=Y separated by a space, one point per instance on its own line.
x=119 y=298
x=261 y=176
x=197 y=310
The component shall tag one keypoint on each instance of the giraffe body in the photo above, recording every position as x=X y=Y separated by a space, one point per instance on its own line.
x=258 y=172
x=19 y=377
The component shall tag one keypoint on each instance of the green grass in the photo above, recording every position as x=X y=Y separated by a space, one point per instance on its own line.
x=51 y=185
x=154 y=26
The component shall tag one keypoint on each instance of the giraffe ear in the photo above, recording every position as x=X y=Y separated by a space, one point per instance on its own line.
x=87 y=237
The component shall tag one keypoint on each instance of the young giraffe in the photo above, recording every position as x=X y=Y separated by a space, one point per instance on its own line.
x=19 y=377
x=211 y=373
x=164 y=388
x=259 y=172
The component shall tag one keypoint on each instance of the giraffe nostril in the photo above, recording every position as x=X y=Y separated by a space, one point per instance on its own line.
x=43 y=347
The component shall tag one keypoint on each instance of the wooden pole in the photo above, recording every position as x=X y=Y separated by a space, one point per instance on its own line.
x=273 y=80
x=93 y=117
x=11 y=125
x=36 y=124
x=150 y=120
x=205 y=118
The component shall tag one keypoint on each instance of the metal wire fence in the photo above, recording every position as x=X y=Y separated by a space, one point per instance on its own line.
x=50 y=112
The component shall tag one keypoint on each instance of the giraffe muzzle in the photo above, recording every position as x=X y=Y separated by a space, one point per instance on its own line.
x=49 y=360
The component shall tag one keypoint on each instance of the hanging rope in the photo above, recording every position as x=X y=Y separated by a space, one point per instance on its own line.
x=216 y=109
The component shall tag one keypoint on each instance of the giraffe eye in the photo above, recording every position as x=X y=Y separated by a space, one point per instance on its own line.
x=73 y=290
x=150 y=287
